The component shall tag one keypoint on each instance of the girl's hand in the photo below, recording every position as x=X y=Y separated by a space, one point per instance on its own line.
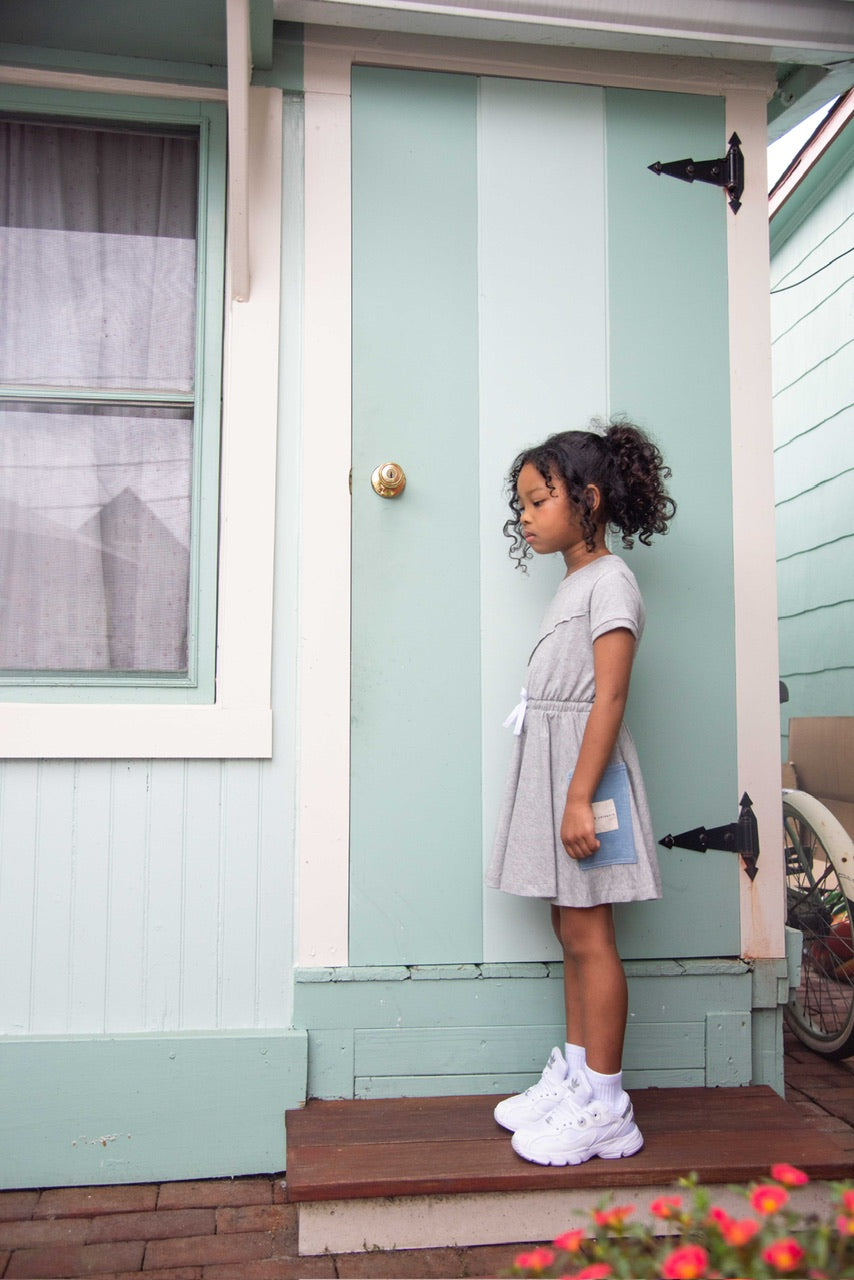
x=577 y=831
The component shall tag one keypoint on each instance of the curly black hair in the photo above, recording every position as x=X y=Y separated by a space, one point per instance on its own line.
x=625 y=466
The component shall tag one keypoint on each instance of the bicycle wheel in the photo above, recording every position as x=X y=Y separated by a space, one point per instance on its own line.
x=820 y=904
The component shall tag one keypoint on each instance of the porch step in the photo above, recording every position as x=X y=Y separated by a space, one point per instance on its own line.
x=422 y=1172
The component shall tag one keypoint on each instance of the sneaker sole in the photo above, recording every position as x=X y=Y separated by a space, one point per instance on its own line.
x=615 y=1151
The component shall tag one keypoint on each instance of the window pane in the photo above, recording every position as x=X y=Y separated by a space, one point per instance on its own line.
x=97 y=257
x=95 y=520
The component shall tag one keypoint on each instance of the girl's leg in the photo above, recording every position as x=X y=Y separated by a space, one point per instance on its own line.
x=595 y=989
x=575 y=1048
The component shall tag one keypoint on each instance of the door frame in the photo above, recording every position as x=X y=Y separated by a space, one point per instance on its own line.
x=322 y=835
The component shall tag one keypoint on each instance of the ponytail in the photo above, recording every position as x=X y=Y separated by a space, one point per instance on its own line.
x=638 y=502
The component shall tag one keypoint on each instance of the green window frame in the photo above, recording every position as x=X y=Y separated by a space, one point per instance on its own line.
x=208 y=120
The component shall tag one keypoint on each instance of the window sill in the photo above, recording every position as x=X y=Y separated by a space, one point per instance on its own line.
x=50 y=732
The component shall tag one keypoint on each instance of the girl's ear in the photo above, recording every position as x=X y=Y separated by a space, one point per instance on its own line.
x=592 y=498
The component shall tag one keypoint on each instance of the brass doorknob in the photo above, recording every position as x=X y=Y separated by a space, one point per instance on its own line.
x=388 y=480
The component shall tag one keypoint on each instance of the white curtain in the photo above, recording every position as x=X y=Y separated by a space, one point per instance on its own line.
x=97 y=291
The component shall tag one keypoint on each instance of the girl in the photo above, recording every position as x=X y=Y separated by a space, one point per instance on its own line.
x=575 y=826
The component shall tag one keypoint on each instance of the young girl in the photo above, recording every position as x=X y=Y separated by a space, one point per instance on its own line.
x=575 y=827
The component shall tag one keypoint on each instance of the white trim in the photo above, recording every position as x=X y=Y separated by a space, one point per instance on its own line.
x=82 y=82
x=239 y=75
x=325 y=556
x=754 y=533
x=751 y=30
x=324 y=612
x=239 y=723
x=333 y=46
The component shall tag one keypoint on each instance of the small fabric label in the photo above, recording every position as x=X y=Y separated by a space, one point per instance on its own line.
x=612 y=818
x=605 y=816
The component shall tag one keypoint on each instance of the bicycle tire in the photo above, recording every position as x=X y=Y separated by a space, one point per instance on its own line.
x=819 y=861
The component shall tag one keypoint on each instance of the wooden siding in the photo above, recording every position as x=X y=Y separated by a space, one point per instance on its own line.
x=468 y=1029
x=139 y=896
x=813 y=355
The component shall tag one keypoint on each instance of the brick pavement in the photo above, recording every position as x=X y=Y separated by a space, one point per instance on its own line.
x=241 y=1229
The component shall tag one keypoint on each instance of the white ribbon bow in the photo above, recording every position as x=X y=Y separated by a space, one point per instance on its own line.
x=517 y=715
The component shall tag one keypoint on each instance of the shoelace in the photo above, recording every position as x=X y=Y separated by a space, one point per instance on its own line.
x=572 y=1087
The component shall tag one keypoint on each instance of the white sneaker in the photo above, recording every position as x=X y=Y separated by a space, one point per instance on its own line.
x=535 y=1103
x=571 y=1134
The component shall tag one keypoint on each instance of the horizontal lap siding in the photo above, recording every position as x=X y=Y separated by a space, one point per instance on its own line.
x=416 y=1038
x=813 y=352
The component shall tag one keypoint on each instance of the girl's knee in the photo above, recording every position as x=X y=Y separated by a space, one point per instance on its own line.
x=586 y=932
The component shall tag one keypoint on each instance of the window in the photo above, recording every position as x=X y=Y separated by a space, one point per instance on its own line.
x=110 y=350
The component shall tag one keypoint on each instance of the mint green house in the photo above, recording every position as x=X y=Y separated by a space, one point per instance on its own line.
x=251 y=710
x=813 y=368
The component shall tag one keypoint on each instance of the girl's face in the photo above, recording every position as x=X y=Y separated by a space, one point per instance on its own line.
x=550 y=522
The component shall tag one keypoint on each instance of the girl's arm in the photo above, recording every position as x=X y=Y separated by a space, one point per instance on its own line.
x=613 y=654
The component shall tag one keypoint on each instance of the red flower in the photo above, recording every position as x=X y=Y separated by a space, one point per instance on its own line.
x=613 y=1217
x=570 y=1241
x=768 y=1199
x=783 y=1255
x=666 y=1206
x=596 y=1271
x=848 y=1201
x=789 y=1175
x=719 y=1217
x=845 y=1226
x=537 y=1260
x=688 y=1263
x=740 y=1232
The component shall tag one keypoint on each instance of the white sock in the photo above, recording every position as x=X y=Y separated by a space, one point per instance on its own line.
x=607 y=1089
x=576 y=1057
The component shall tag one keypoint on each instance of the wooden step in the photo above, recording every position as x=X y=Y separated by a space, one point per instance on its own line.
x=414 y=1172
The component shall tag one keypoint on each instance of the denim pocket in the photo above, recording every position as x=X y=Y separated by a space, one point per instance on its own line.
x=612 y=813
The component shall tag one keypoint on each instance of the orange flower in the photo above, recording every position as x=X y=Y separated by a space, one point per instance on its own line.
x=613 y=1217
x=783 y=1255
x=789 y=1175
x=666 y=1206
x=570 y=1241
x=768 y=1199
x=845 y=1226
x=688 y=1263
x=740 y=1232
x=537 y=1260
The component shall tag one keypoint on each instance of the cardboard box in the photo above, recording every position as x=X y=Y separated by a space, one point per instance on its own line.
x=821 y=752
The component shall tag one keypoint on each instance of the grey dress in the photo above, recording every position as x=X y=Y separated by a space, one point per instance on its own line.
x=528 y=857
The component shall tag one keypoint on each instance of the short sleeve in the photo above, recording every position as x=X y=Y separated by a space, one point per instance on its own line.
x=615 y=601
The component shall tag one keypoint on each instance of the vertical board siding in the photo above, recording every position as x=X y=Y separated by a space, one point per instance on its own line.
x=582 y=305
x=543 y=367
x=415 y=778
x=812 y=311
x=669 y=371
x=134 y=897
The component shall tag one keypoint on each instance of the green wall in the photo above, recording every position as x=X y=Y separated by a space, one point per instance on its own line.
x=813 y=367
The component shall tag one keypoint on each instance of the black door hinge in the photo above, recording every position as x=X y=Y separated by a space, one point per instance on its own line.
x=741 y=837
x=728 y=172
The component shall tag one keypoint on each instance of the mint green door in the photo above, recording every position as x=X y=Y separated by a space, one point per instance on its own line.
x=517 y=270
